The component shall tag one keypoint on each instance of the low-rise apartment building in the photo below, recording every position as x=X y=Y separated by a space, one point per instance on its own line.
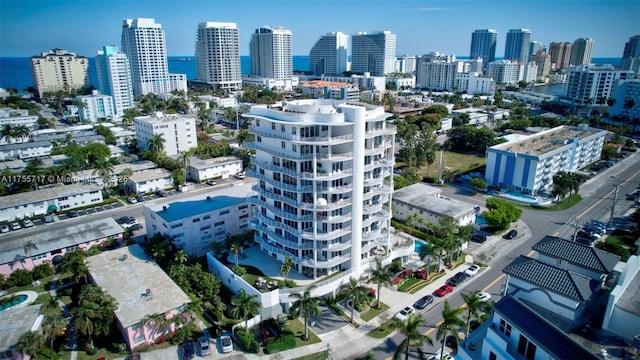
x=50 y=198
x=425 y=201
x=216 y=168
x=146 y=181
x=25 y=150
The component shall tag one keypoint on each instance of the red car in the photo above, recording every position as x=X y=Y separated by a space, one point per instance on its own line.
x=444 y=290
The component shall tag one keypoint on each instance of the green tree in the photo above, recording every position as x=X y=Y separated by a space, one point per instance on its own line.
x=414 y=338
x=30 y=343
x=244 y=306
x=52 y=327
x=181 y=257
x=609 y=152
x=501 y=213
x=156 y=145
x=478 y=183
x=104 y=170
x=474 y=307
x=73 y=262
x=286 y=266
x=355 y=292
x=381 y=275
x=307 y=306
x=450 y=322
x=84 y=316
x=235 y=248
x=184 y=158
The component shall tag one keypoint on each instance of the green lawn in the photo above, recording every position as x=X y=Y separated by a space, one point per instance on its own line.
x=322 y=355
x=408 y=283
x=373 y=311
x=297 y=327
x=455 y=162
x=382 y=331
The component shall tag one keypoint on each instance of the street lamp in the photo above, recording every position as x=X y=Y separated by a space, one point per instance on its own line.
x=613 y=205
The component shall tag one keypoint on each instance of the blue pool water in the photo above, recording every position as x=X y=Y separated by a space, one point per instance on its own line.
x=417 y=245
x=480 y=220
x=17 y=300
x=522 y=196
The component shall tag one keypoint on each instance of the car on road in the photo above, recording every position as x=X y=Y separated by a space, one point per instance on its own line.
x=226 y=345
x=162 y=193
x=511 y=234
x=423 y=302
x=16 y=226
x=205 y=348
x=211 y=182
x=133 y=356
x=472 y=270
x=139 y=198
x=135 y=227
x=583 y=241
x=594 y=229
x=131 y=224
x=132 y=200
x=239 y=175
x=27 y=223
x=443 y=290
x=48 y=219
x=124 y=219
x=484 y=296
x=479 y=238
x=4 y=229
x=457 y=279
x=403 y=314
x=186 y=350
x=586 y=235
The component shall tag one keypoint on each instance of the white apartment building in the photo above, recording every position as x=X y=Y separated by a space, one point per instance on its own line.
x=320 y=167
x=544 y=64
x=425 y=201
x=96 y=107
x=402 y=82
x=474 y=83
x=25 y=150
x=216 y=168
x=195 y=223
x=271 y=52
x=143 y=41
x=626 y=92
x=50 y=198
x=319 y=89
x=366 y=81
x=506 y=72
x=590 y=82
x=218 y=56
x=270 y=83
x=373 y=53
x=114 y=77
x=230 y=101
x=436 y=75
x=17 y=117
x=178 y=131
x=148 y=181
x=406 y=64
x=59 y=69
x=329 y=54
x=530 y=72
x=528 y=165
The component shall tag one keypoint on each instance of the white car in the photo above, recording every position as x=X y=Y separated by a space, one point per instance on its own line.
x=404 y=313
x=226 y=343
x=16 y=226
x=4 y=229
x=27 y=223
x=484 y=296
x=131 y=224
x=472 y=270
x=239 y=175
x=132 y=200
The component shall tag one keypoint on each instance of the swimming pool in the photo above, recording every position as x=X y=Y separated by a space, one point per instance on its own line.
x=481 y=221
x=11 y=300
x=417 y=245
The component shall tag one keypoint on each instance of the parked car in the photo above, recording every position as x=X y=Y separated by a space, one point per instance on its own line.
x=239 y=175
x=594 y=229
x=443 y=290
x=162 y=193
x=139 y=198
x=484 y=296
x=226 y=345
x=4 y=229
x=131 y=224
x=73 y=214
x=132 y=200
x=583 y=240
x=16 y=226
x=205 y=348
x=27 y=223
x=511 y=234
x=135 y=227
x=48 y=219
x=479 y=238
x=599 y=223
x=133 y=356
x=457 y=279
x=472 y=270
x=187 y=351
x=125 y=219
x=403 y=314
x=423 y=302
x=586 y=235
x=211 y=182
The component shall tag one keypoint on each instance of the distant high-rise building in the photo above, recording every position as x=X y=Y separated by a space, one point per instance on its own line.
x=96 y=107
x=631 y=55
x=483 y=45
x=406 y=64
x=271 y=52
x=143 y=41
x=218 y=56
x=374 y=53
x=517 y=46
x=114 y=77
x=534 y=47
x=581 y=51
x=59 y=69
x=506 y=72
x=560 y=53
x=329 y=55
x=543 y=61
x=587 y=83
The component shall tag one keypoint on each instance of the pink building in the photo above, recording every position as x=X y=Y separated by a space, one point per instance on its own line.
x=143 y=291
x=51 y=245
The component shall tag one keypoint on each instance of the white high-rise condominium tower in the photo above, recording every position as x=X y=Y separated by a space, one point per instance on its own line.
x=271 y=52
x=374 y=53
x=323 y=171
x=114 y=77
x=581 y=51
x=144 y=43
x=483 y=45
x=329 y=55
x=517 y=46
x=59 y=69
x=218 y=56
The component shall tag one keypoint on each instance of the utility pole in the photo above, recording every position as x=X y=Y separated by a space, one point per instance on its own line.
x=440 y=167
x=613 y=205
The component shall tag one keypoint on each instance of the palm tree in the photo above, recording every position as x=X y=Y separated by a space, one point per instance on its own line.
x=52 y=326
x=355 y=292
x=450 y=321
x=414 y=337
x=474 y=306
x=104 y=169
x=307 y=306
x=236 y=247
x=184 y=160
x=21 y=131
x=84 y=316
x=159 y=321
x=30 y=343
x=425 y=252
x=286 y=266
x=7 y=133
x=156 y=145
x=244 y=306
x=381 y=275
x=181 y=257
x=28 y=246
x=437 y=247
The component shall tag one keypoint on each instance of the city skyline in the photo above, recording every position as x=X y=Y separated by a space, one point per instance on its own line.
x=73 y=26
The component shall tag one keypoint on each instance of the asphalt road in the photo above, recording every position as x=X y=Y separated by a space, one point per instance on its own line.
x=596 y=204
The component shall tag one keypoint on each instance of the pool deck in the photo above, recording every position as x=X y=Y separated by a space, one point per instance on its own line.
x=525 y=199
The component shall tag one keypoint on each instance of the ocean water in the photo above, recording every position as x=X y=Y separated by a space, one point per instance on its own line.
x=15 y=72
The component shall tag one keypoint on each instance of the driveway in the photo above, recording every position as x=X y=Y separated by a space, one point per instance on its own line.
x=327 y=322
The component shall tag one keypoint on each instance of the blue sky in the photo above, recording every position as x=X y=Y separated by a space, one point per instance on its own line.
x=28 y=27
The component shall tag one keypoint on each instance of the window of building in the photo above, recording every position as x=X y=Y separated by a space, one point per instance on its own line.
x=492 y=356
x=219 y=223
x=283 y=144
x=282 y=129
x=224 y=212
x=206 y=217
x=526 y=348
x=196 y=220
x=505 y=327
x=273 y=126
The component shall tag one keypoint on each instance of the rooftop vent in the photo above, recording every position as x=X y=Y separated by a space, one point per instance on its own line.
x=208 y=197
x=124 y=257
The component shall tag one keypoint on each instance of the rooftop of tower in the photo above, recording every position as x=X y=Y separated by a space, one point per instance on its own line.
x=315 y=111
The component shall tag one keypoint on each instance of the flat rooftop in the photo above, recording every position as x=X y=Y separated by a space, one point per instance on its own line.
x=137 y=283
x=206 y=163
x=547 y=141
x=12 y=248
x=46 y=193
x=199 y=204
x=15 y=322
x=425 y=197
x=149 y=174
x=630 y=299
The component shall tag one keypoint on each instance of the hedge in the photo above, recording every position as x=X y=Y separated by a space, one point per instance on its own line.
x=247 y=340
